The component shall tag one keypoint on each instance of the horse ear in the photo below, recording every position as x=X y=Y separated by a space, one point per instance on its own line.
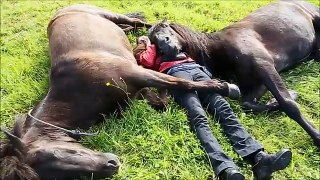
x=17 y=129
x=165 y=20
x=16 y=142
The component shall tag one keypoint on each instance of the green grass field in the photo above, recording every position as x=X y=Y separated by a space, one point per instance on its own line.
x=153 y=145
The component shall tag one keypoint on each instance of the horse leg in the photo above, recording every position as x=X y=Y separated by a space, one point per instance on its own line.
x=317 y=46
x=293 y=95
x=157 y=100
x=134 y=20
x=125 y=75
x=276 y=86
x=250 y=100
x=142 y=77
x=316 y=25
x=128 y=77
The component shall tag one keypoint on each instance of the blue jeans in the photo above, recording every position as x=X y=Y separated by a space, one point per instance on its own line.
x=193 y=101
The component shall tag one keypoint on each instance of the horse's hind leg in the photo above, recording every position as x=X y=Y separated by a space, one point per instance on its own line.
x=141 y=77
x=132 y=20
x=276 y=86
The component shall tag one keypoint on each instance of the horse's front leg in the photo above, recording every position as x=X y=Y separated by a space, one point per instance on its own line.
x=250 y=99
x=157 y=100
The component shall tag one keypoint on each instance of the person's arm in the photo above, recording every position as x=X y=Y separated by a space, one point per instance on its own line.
x=148 y=57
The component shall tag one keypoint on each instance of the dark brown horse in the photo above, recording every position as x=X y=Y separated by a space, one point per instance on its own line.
x=253 y=51
x=93 y=71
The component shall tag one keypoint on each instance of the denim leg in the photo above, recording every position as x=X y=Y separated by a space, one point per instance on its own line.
x=243 y=143
x=199 y=124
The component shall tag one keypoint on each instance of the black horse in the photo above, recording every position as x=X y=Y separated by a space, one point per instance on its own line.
x=253 y=51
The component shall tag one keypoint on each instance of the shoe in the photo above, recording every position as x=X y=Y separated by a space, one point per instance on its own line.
x=231 y=174
x=265 y=164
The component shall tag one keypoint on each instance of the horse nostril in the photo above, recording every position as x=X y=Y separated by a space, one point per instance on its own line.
x=112 y=160
x=113 y=163
x=166 y=39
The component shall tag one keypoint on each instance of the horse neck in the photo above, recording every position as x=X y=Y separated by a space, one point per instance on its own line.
x=211 y=38
x=207 y=41
x=50 y=111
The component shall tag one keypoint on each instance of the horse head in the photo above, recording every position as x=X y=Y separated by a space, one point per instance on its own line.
x=35 y=150
x=168 y=42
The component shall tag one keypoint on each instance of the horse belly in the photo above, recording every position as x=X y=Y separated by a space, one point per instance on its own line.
x=91 y=90
x=87 y=32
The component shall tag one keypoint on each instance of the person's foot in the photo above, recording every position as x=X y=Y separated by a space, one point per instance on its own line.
x=231 y=174
x=265 y=164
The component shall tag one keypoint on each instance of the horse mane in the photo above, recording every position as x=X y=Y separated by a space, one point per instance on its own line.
x=196 y=42
x=12 y=163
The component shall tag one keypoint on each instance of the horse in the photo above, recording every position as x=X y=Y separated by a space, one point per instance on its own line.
x=93 y=73
x=253 y=51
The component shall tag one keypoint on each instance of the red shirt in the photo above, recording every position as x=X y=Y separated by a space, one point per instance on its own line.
x=149 y=59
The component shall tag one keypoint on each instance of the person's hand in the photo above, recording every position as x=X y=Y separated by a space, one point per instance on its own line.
x=144 y=40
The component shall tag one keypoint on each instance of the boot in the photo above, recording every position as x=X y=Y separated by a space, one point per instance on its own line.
x=265 y=164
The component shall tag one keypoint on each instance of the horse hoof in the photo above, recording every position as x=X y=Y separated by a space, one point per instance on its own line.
x=233 y=91
x=317 y=142
x=293 y=94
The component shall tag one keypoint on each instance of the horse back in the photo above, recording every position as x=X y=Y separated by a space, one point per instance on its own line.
x=283 y=31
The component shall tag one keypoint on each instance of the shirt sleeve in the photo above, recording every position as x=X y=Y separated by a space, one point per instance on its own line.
x=148 y=57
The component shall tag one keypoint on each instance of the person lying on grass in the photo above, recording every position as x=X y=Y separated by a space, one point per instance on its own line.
x=182 y=66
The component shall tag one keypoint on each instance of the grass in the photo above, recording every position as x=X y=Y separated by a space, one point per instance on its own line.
x=153 y=145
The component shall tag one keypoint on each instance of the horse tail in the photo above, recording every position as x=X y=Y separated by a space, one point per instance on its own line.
x=138 y=15
x=316 y=18
x=314 y=11
x=316 y=24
